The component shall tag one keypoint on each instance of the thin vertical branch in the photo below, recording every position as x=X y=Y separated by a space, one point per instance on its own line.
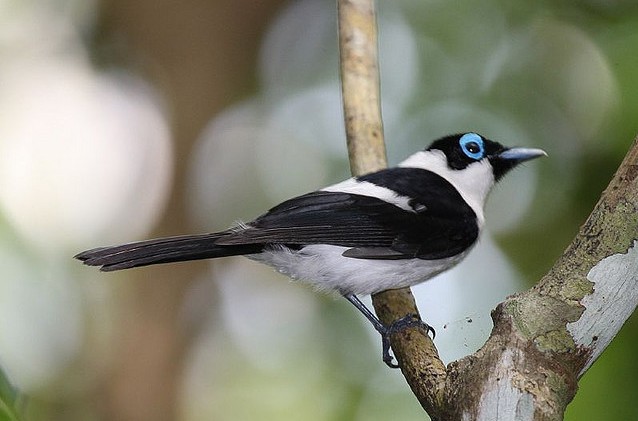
x=360 y=85
x=414 y=350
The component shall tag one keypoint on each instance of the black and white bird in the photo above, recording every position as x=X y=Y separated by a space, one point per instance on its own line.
x=388 y=229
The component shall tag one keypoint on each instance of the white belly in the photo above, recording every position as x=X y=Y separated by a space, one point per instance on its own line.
x=326 y=269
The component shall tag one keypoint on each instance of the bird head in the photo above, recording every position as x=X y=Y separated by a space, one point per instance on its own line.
x=465 y=149
x=471 y=163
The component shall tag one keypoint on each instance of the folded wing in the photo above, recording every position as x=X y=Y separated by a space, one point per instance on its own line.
x=371 y=227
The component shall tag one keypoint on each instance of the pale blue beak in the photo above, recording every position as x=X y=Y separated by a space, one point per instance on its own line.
x=521 y=154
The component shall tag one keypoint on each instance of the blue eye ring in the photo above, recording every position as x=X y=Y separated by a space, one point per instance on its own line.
x=472 y=146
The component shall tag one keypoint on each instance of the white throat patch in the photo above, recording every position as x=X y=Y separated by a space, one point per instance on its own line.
x=473 y=183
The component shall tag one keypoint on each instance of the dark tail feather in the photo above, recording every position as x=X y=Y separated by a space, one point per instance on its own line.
x=162 y=250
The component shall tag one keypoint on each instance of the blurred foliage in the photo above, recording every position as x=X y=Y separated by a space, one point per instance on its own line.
x=9 y=399
x=250 y=91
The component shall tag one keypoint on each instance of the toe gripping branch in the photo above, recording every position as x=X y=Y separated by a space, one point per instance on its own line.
x=386 y=332
x=411 y=320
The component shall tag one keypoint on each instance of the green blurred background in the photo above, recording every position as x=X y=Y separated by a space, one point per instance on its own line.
x=127 y=119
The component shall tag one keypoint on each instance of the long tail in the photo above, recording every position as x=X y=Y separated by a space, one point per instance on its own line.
x=163 y=250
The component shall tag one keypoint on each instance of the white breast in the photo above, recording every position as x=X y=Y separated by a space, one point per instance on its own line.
x=324 y=267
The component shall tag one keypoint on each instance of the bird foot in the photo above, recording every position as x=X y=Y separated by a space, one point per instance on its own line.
x=411 y=320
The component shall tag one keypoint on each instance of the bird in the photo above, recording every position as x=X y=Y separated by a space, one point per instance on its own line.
x=389 y=229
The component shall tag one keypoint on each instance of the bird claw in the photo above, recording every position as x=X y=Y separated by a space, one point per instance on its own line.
x=387 y=357
x=411 y=320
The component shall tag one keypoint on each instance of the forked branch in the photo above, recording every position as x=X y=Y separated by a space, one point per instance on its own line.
x=543 y=339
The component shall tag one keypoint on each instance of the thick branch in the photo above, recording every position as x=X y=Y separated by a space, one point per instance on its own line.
x=544 y=339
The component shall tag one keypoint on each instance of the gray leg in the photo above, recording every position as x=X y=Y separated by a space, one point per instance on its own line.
x=387 y=331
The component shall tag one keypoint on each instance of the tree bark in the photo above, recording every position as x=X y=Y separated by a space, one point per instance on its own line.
x=543 y=339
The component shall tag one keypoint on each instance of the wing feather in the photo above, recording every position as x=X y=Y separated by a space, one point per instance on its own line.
x=441 y=226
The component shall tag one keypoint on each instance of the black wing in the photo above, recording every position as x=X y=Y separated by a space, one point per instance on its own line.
x=440 y=224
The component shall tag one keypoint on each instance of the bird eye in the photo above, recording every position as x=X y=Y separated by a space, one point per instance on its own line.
x=472 y=145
